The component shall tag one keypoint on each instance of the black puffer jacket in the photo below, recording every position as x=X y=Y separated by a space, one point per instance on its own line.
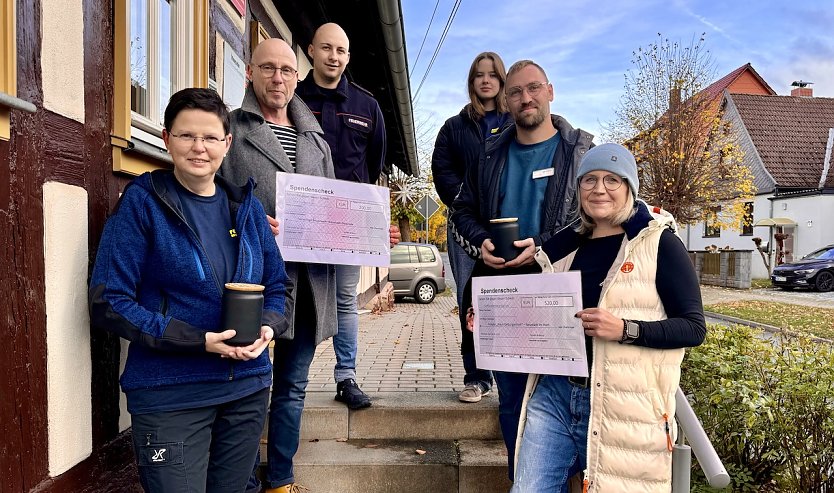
x=458 y=146
x=477 y=201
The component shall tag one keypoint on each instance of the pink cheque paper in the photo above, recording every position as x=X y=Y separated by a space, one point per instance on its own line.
x=327 y=221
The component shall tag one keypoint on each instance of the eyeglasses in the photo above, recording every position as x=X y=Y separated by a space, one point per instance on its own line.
x=208 y=140
x=268 y=70
x=533 y=89
x=610 y=182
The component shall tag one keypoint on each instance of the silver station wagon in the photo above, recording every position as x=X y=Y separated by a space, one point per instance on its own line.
x=417 y=270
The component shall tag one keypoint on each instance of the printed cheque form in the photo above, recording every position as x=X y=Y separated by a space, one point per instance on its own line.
x=329 y=221
x=526 y=323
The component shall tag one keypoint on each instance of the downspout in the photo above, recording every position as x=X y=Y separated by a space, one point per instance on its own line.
x=390 y=16
x=826 y=164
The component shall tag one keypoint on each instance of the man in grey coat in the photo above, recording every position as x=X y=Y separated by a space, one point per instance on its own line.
x=274 y=131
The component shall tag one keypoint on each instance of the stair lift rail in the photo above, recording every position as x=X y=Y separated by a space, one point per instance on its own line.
x=700 y=444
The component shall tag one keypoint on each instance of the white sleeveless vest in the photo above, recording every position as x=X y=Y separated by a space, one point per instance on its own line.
x=632 y=387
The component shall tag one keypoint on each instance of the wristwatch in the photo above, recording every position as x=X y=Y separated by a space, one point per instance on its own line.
x=631 y=331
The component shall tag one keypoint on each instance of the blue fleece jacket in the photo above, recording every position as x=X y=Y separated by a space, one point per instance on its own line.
x=152 y=284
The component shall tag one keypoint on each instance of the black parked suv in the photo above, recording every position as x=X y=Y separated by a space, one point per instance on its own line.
x=815 y=270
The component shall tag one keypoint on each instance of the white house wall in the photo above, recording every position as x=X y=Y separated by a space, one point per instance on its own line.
x=62 y=57
x=814 y=227
x=814 y=221
x=693 y=236
x=68 y=362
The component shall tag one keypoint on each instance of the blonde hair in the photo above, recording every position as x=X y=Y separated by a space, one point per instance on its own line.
x=475 y=108
x=586 y=224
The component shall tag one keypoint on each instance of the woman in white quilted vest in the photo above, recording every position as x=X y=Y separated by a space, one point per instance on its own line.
x=641 y=307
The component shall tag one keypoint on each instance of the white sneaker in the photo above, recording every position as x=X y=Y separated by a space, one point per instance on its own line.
x=472 y=393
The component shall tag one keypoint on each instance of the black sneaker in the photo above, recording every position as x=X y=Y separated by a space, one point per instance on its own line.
x=348 y=392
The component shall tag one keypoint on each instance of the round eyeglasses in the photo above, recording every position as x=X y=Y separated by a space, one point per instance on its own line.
x=533 y=89
x=610 y=182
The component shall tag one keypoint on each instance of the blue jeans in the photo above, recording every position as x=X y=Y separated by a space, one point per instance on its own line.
x=555 y=441
x=345 y=342
x=461 y=265
x=510 y=397
x=291 y=368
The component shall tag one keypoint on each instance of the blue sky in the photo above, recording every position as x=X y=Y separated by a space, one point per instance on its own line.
x=586 y=47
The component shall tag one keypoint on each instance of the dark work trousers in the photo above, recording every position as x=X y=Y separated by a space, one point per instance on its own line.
x=207 y=449
x=510 y=385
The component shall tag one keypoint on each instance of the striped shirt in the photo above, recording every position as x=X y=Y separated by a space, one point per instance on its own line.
x=287 y=137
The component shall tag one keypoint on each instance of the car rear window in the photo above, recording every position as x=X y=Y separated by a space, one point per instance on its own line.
x=426 y=254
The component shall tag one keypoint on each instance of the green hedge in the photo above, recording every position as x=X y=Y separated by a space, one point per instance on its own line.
x=768 y=407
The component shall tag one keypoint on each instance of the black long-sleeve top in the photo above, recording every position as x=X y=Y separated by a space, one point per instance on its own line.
x=676 y=282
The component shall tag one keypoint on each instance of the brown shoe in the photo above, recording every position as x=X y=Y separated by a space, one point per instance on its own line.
x=288 y=488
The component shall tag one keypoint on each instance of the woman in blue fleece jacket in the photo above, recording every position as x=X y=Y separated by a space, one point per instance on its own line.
x=197 y=404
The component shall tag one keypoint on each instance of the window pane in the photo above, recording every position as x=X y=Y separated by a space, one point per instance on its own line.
x=399 y=255
x=426 y=254
x=165 y=57
x=139 y=56
x=747 y=221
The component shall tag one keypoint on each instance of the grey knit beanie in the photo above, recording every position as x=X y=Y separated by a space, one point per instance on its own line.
x=613 y=158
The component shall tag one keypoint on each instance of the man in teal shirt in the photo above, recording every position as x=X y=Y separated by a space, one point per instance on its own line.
x=528 y=172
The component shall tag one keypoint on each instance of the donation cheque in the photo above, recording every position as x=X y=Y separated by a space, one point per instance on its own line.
x=322 y=220
x=526 y=324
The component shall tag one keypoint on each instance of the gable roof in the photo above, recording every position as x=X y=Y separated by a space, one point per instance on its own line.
x=717 y=88
x=790 y=134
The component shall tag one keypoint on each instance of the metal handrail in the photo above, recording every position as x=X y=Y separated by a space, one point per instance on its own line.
x=700 y=444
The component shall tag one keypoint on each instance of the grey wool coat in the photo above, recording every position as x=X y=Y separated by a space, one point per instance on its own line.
x=256 y=152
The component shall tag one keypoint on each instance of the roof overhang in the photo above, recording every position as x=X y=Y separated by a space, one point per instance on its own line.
x=775 y=221
x=378 y=61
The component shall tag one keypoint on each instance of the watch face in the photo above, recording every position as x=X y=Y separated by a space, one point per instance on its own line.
x=632 y=330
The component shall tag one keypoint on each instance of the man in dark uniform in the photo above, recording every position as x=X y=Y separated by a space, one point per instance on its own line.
x=354 y=129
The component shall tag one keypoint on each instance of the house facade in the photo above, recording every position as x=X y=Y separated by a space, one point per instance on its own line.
x=787 y=143
x=82 y=88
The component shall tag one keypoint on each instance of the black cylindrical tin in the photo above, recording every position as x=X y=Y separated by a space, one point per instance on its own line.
x=504 y=233
x=243 y=306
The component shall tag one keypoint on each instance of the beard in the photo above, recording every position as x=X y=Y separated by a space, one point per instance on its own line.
x=530 y=121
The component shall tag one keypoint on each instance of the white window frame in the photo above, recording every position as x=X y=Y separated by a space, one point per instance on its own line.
x=190 y=69
x=182 y=64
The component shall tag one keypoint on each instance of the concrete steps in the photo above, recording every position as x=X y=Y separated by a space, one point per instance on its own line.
x=406 y=442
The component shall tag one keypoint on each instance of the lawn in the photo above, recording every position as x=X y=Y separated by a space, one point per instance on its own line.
x=760 y=283
x=798 y=318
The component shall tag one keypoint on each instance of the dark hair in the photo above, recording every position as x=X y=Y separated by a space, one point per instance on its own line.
x=476 y=107
x=197 y=98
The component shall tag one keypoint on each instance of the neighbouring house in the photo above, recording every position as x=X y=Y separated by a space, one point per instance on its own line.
x=82 y=86
x=787 y=143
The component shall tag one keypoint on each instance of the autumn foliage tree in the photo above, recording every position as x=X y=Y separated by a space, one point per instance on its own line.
x=689 y=160
x=407 y=190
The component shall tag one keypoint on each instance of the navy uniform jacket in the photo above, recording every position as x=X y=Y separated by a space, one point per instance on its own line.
x=353 y=127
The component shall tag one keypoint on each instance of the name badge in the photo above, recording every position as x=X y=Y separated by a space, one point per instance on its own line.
x=542 y=173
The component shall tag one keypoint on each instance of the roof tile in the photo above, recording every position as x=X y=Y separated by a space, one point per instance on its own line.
x=790 y=133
